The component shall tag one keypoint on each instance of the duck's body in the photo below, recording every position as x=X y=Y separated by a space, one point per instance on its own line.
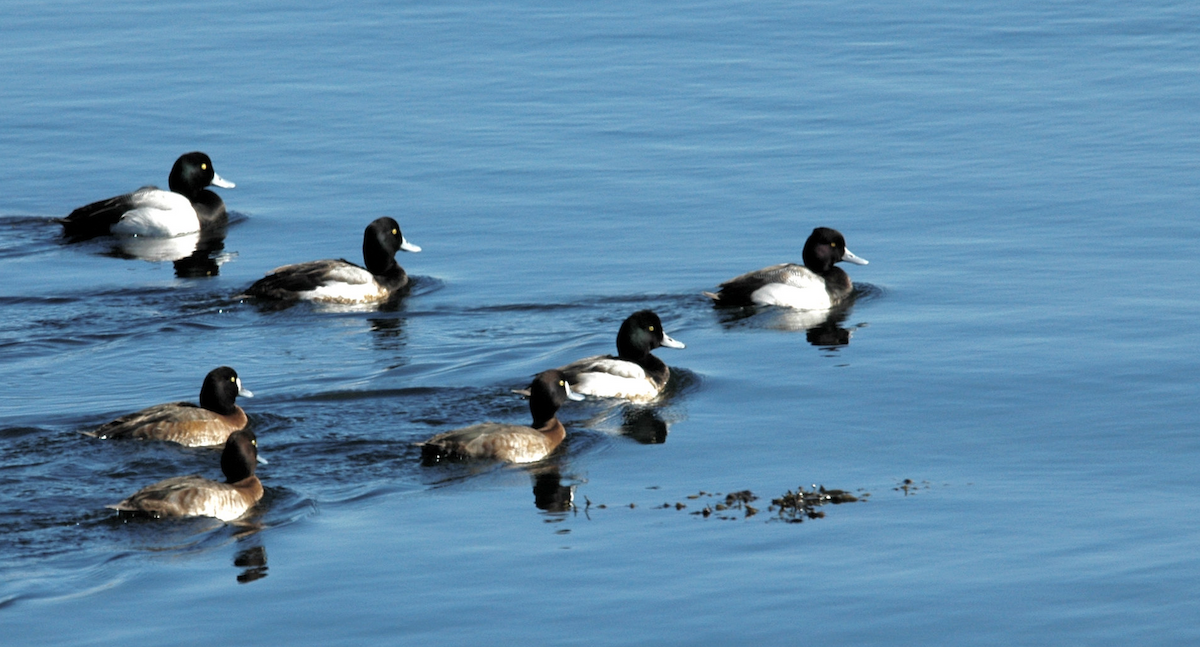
x=186 y=208
x=209 y=424
x=816 y=285
x=340 y=281
x=196 y=496
x=507 y=442
x=633 y=373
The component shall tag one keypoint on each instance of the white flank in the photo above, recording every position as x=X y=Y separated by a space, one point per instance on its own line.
x=160 y=214
x=347 y=283
x=346 y=293
x=607 y=385
x=811 y=297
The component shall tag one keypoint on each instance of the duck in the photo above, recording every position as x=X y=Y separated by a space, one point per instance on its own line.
x=633 y=373
x=815 y=285
x=196 y=496
x=188 y=207
x=208 y=425
x=340 y=281
x=506 y=442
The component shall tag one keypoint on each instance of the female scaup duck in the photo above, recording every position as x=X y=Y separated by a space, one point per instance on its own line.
x=510 y=443
x=340 y=281
x=209 y=424
x=633 y=374
x=187 y=208
x=196 y=496
x=816 y=285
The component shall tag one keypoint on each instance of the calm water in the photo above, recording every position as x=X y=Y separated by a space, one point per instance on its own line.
x=1022 y=178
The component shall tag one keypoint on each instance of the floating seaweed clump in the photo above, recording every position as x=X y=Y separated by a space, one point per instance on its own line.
x=733 y=501
x=795 y=507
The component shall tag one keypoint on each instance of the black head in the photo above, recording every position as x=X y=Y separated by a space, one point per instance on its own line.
x=239 y=456
x=641 y=333
x=548 y=392
x=191 y=174
x=221 y=388
x=381 y=240
x=825 y=247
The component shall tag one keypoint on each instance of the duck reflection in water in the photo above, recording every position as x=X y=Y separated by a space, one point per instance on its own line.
x=194 y=255
x=823 y=328
x=253 y=561
x=549 y=493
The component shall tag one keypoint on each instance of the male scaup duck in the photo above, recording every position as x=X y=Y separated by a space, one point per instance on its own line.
x=196 y=496
x=209 y=424
x=509 y=443
x=634 y=373
x=186 y=209
x=340 y=281
x=816 y=285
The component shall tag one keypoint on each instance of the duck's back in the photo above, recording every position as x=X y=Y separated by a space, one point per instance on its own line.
x=785 y=284
x=98 y=218
x=178 y=422
x=194 y=496
x=493 y=440
x=326 y=280
x=608 y=376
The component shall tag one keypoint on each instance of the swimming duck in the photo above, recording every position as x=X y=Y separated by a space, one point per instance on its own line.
x=340 y=281
x=816 y=285
x=634 y=373
x=196 y=496
x=209 y=424
x=505 y=442
x=186 y=208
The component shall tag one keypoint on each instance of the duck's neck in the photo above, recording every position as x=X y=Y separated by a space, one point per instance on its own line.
x=543 y=412
x=627 y=350
x=837 y=283
x=379 y=262
x=553 y=430
x=213 y=401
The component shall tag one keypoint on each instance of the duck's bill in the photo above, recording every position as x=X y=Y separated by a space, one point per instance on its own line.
x=221 y=182
x=243 y=392
x=571 y=395
x=849 y=257
x=262 y=461
x=407 y=246
x=672 y=343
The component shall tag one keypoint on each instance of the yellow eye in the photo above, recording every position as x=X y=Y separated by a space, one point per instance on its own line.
x=204 y=167
x=254 y=442
x=395 y=231
x=233 y=379
x=561 y=383
x=651 y=329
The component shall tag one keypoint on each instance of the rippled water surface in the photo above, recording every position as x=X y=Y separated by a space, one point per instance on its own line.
x=1010 y=398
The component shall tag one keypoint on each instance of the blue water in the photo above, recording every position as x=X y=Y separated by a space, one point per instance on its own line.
x=1014 y=407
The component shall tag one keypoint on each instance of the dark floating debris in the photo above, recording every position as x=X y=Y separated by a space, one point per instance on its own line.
x=733 y=501
x=795 y=507
x=792 y=507
x=909 y=487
